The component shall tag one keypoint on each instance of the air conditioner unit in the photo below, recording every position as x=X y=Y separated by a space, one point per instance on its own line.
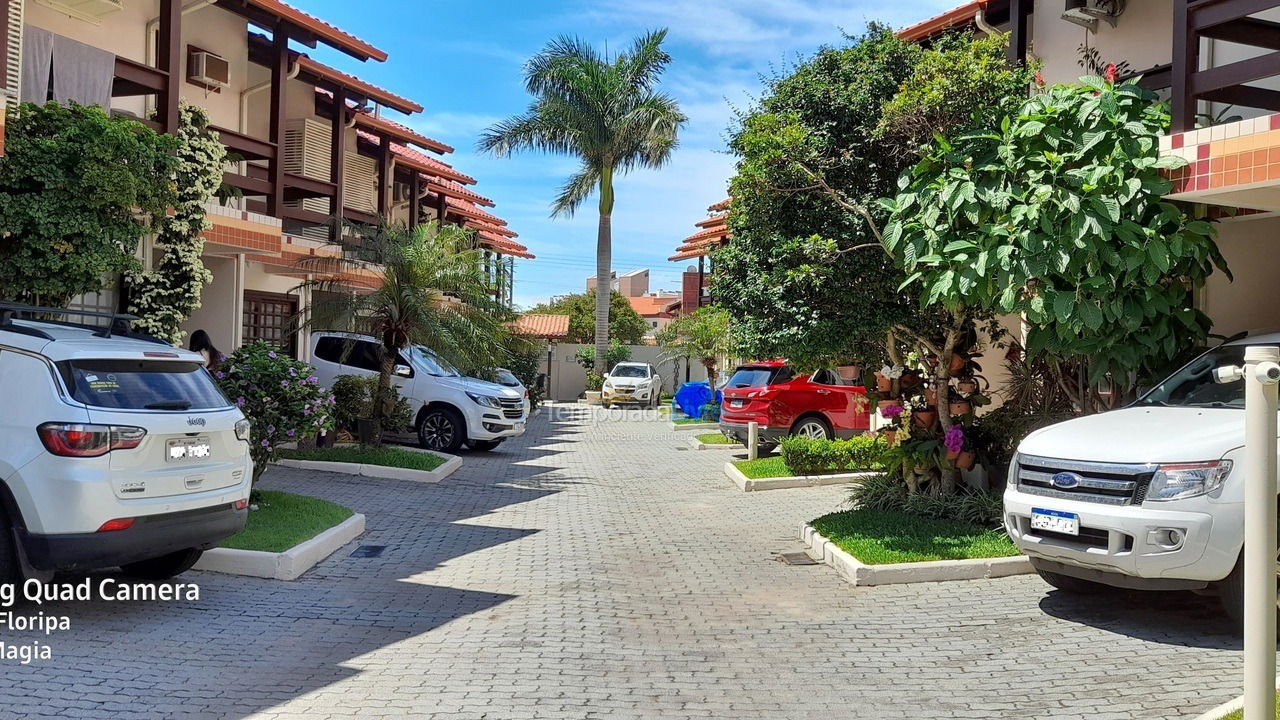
x=207 y=69
x=1086 y=13
x=90 y=11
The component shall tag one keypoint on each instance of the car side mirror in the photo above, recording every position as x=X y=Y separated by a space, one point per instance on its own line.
x=403 y=371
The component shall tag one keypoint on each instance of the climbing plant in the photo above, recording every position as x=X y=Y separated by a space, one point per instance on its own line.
x=164 y=297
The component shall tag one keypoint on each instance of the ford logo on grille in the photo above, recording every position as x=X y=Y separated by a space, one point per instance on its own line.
x=1065 y=480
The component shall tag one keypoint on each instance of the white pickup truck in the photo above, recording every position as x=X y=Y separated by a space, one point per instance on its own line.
x=1148 y=497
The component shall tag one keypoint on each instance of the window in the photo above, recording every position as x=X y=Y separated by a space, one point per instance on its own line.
x=141 y=384
x=269 y=317
x=758 y=377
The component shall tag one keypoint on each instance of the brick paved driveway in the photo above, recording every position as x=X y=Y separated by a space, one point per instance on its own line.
x=597 y=569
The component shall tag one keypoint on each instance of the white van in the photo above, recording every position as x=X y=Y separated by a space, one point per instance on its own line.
x=1148 y=497
x=448 y=409
x=115 y=450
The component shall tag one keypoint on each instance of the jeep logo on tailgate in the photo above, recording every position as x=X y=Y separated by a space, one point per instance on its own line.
x=195 y=421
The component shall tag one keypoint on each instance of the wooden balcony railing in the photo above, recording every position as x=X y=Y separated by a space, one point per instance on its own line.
x=1230 y=21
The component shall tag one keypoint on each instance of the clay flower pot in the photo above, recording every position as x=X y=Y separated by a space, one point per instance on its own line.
x=964 y=460
x=952 y=455
x=967 y=386
x=925 y=418
x=909 y=381
x=883 y=384
x=957 y=363
x=958 y=407
x=930 y=396
x=890 y=436
x=881 y=405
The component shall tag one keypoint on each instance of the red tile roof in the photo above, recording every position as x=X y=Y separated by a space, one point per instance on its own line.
x=351 y=82
x=955 y=17
x=331 y=35
x=551 y=327
x=503 y=245
x=469 y=209
x=650 y=306
x=494 y=229
x=395 y=130
x=720 y=219
x=453 y=189
x=715 y=232
x=416 y=160
x=720 y=206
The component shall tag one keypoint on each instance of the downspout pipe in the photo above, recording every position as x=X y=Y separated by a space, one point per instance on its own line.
x=980 y=20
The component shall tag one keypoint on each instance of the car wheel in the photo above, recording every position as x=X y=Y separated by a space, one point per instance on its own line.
x=812 y=427
x=483 y=445
x=165 y=566
x=441 y=429
x=1073 y=585
x=1231 y=593
x=10 y=570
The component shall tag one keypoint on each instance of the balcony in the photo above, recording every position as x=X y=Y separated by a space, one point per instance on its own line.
x=1246 y=39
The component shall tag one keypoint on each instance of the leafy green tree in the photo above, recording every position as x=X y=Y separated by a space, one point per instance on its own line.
x=625 y=324
x=703 y=335
x=78 y=189
x=586 y=356
x=429 y=291
x=1058 y=214
x=606 y=112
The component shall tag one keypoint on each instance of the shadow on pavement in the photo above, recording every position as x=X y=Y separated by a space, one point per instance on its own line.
x=1172 y=618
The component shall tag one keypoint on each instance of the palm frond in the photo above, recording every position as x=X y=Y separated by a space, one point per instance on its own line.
x=577 y=189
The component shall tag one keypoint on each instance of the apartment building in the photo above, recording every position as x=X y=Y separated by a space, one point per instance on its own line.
x=313 y=149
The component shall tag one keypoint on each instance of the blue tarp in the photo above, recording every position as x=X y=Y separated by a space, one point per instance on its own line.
x=692 y=396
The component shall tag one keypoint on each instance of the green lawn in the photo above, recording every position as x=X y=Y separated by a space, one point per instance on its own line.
x=283 y=520
x=386 y=455
x=1239 y=714
x=713 y=439
x=688 y=420
x=765 y=467
x=878 y=537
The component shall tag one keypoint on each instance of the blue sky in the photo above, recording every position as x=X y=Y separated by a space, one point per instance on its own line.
x=462 y=61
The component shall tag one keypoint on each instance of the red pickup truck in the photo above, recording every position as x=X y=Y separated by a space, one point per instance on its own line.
x=770 y=393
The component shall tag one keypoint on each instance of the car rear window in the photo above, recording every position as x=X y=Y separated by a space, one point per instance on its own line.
x=142 y=384
x=756 y=377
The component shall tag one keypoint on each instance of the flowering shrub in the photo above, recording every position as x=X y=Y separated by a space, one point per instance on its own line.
x=279 y=395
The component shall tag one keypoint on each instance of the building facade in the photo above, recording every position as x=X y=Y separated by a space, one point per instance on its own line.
x=312 y=149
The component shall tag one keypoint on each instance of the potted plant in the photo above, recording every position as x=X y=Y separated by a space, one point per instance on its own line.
x=958 y=405
x=891 y=409
x=910 y=379
x=925 y=417
x=885 y=377
x=930 y=396
x=958 y=362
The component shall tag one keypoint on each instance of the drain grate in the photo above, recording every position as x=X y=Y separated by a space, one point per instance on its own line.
x=368 y=551
x=796 y=558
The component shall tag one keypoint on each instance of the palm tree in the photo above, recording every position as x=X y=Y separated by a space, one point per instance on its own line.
x=609 y=114
x=428 y=289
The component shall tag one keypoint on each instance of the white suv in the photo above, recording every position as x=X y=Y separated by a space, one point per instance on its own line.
x=448 y=409
x=1150 y=496
x=631 y=383
x=115 y=450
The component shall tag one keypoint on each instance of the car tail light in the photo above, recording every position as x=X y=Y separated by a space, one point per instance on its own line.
x=83 y=440
x=116 y=525
x=241 y=504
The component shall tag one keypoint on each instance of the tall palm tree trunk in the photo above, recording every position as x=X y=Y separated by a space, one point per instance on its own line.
x=604 y=269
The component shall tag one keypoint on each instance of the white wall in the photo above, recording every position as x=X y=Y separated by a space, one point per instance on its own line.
x=569 y=379
x=1248 y=303
x=1142 y=36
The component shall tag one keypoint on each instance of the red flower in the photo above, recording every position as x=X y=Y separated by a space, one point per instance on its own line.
x=1110 y=74
x=1039 y=78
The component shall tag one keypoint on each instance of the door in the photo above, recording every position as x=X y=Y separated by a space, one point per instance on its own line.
x=843 y=401
x=269 y=317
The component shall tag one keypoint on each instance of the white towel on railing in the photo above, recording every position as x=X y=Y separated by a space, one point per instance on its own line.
x=37 y=56
x=82 y=73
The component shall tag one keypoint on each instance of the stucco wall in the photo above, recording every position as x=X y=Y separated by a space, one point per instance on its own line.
x=1248 y=303
x=1142 y=36
x=217 y=314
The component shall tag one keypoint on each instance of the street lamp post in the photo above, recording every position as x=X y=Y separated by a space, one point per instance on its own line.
x=1261 y=373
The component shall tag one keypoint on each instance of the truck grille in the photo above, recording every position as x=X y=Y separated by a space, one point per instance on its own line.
x=1108 y=483
x=511 y=409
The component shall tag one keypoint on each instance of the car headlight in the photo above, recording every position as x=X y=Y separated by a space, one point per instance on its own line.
x=242 y=430
x=1175 y=481
x=485 y=400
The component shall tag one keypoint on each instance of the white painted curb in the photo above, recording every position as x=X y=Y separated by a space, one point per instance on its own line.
x=747 y=484
x=694 y=426
x=858 y=573
x=697 y=444
x=1227 y=707
x=287 y=565
x=450 y=465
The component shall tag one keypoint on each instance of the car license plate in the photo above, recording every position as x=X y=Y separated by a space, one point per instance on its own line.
x=186 y=449
x=1055 y=521
x=736 y=403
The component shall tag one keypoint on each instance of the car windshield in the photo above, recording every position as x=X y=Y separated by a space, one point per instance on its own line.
x=507 y=378
x=755 y=377
x=434 y=364
x=630 y=371
x=1194 y=386
x=142 y=384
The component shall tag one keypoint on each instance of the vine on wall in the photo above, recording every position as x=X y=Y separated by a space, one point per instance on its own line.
x=163 y=298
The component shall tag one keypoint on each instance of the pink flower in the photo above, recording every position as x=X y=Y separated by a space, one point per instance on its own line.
x=954 y=439
x=892 y=411
x=1110 y=74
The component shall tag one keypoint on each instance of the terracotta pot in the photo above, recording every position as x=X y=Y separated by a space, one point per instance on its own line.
x=909 y=381
x=930 y=396
x=883 y=384
x=968 y=386
x=958 y=407
x=890 y=436
x=964 y=460
x=925 y=418
x=952 y=455
x=849 y=372
x=881 y=405
x=957 y=363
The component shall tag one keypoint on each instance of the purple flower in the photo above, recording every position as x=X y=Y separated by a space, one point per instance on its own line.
x=222 y=356
x=240 y=401
x=306 y=411
x=954 y=439
x=271 y=429
x=272 y=354
x=289 y=433
x=284 y=383
x=219 y=374
x=892 y=411
x=266 y=444
x=293 y=373
x=313 y=379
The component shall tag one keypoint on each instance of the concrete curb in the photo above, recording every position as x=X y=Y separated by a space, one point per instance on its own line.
x=694 y=426
x=450 y=465
x=858 y=573
x=287 y=565
x=1229 y=706
x=747 y=484
x=697 y=444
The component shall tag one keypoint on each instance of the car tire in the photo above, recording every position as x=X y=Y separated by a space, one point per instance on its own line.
x=483 y=445
x=1073 y=585
x=814 y=427
x=441 y=429
x=165 y=566
x=10 y=569
x=1231 y=595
